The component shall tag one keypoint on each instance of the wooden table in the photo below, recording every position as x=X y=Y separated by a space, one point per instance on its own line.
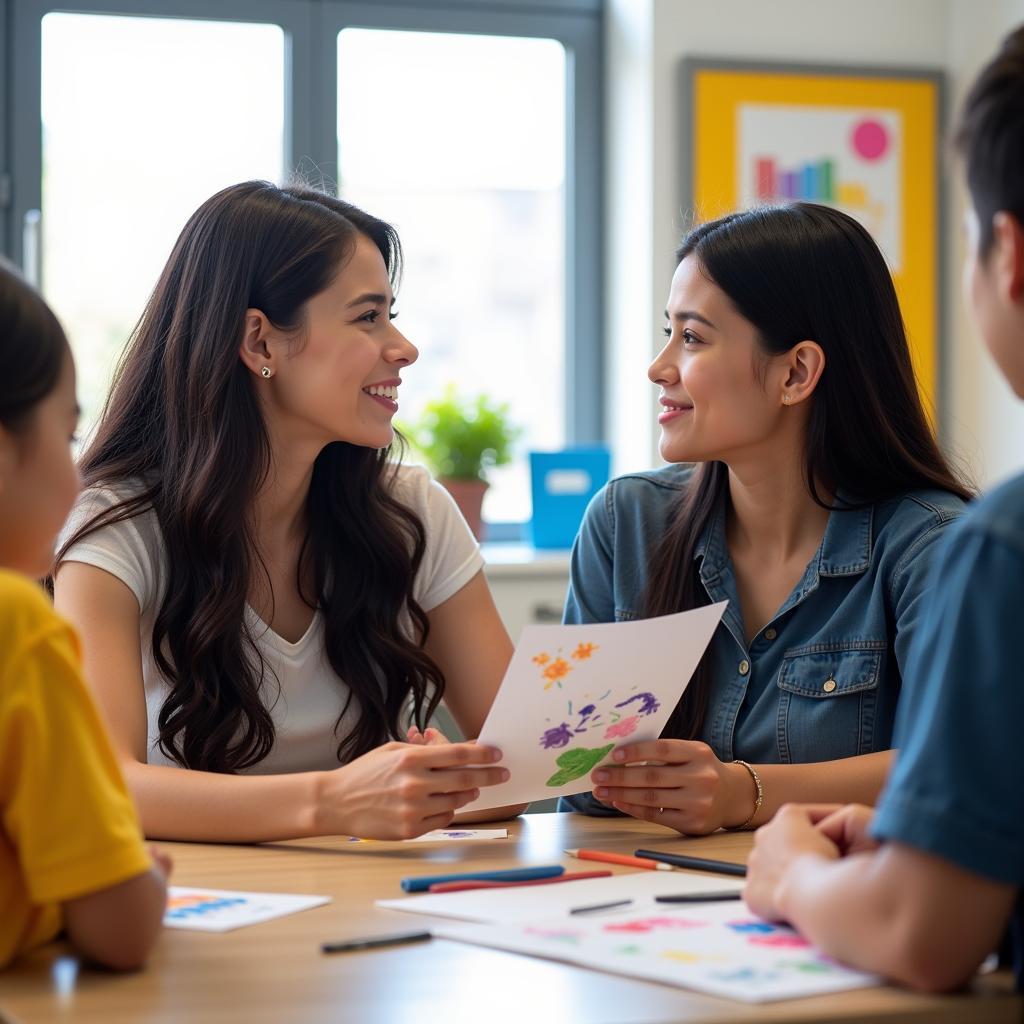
x=275 y=972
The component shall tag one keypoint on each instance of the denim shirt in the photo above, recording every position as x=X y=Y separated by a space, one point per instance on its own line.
x=821 y=680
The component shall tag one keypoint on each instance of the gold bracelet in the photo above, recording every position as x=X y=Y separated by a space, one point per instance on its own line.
x=759 y=800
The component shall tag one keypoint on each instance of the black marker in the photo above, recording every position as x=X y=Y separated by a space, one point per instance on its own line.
x=374 y=942
x=679 y=860
x=600 y=906
x=698 y=897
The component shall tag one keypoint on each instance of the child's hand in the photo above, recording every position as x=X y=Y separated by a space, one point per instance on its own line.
x=161 y=861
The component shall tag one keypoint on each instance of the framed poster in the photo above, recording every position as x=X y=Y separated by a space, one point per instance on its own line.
x=866 y=140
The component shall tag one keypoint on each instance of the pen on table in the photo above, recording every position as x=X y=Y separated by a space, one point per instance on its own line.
x=698 y=897
x=573 y=876
x=599 y=906
x=422 y=884
x=680 y=860
x=619 y=858
x=374 y=942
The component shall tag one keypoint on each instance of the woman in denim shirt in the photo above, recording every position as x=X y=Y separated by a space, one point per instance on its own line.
x=816 y=498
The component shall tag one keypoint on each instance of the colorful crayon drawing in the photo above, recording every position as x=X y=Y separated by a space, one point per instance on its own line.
x=590 y=717
x=623 y=728
x=194 y=904
x=754 y=927
x=780 y=941
x=554 y=668
x=686 y=956
x=575 y=763
x=651 y=924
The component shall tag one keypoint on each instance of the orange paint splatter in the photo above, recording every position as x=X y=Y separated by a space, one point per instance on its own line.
x=584 y=651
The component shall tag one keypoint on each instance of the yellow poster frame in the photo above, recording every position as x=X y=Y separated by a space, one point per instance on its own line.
x=718 y=88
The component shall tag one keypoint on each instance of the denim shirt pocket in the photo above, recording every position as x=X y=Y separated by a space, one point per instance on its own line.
x=828 y=695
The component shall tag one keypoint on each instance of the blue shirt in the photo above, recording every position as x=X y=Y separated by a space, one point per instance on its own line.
x=956 y=790
x=821 y=680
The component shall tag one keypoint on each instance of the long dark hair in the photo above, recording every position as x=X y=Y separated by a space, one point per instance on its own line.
x=183 y=421
x=32 y=349
x=796 y=272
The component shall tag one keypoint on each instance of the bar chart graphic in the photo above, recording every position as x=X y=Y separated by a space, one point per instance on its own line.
x=844 y=157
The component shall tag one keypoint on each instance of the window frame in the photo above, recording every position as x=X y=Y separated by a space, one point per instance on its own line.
x=310 y=28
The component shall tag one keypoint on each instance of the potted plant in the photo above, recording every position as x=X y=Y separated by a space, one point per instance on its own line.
x=461 y=438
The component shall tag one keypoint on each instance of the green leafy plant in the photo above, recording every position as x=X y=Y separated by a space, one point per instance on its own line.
x=461 y=438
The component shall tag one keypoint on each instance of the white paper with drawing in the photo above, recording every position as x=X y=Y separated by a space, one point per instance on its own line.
x=573 y=693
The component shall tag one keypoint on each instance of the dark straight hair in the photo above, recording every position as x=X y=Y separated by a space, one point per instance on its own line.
x=990 y=135
x=32 y=349
x=797 y=272
x=183 y=423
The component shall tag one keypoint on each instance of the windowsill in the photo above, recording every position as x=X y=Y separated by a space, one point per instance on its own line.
x=519 y=559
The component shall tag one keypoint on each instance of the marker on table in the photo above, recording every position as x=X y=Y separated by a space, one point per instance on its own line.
x=698 y=897
x=619 y=858
x=680 y=860
x=599 y=906
x=374 y=942
x=422 y=884
x=573 y=876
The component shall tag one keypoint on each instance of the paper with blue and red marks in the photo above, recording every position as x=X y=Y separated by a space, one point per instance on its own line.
x=718 y=948
x=222 y=910
x=572 y=694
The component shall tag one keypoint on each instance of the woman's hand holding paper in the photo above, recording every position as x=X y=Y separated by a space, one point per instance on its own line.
x=677 y=783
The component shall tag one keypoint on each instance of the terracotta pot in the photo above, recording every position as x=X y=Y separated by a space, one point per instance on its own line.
x=469 y=496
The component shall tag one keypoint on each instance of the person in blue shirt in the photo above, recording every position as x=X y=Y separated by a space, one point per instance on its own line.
x=816 y=500
x=923 y=888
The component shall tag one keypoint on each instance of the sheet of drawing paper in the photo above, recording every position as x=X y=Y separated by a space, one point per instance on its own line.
x=573 y=693
x=448 y=835
x=531 y=903
x=222 y=910
x=719 y=948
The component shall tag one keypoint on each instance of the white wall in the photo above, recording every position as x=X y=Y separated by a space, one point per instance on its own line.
x=646 y=39
x=986 y=421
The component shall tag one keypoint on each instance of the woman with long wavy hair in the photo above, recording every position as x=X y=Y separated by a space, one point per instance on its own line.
x=807 y=490
x=266 y=599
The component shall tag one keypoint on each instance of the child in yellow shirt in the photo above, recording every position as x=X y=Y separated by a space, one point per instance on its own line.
x=71 y=850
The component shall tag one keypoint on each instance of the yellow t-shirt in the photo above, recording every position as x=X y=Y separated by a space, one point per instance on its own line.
x=67 y=824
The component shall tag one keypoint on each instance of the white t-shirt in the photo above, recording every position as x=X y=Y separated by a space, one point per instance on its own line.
x=311 y=694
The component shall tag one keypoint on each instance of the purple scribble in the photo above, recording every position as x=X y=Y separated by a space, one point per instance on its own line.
x=648 y=703
x=560 y=736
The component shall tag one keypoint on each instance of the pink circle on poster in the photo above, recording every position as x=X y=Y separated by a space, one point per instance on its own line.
x=870 y=139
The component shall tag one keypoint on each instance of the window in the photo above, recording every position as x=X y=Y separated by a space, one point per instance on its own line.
x=124 y=167
x=467 y=158
x=473 y=126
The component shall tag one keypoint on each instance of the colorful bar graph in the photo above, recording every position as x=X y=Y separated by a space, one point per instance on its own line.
x=815 y=182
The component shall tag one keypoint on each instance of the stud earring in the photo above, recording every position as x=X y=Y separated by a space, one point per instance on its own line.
x=267 y=372
x=785 y=398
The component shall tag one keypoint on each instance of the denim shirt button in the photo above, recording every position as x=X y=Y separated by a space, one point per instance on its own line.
x=770 y=634
x=744 y=667
x=829 y=685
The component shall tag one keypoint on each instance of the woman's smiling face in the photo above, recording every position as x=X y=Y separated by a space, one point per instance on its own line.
x=719 y=395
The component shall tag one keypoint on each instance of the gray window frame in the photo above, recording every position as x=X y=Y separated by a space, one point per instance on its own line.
x=311 y=28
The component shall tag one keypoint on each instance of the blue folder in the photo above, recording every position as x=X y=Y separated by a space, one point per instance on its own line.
x=562 y=484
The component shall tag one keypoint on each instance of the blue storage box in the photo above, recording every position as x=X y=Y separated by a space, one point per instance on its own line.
x=562 y=483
